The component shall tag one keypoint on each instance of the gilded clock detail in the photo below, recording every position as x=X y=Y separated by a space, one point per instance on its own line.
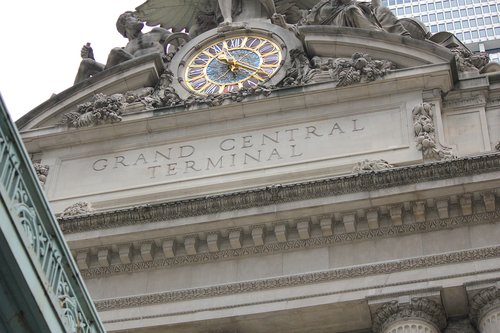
x=232 y=63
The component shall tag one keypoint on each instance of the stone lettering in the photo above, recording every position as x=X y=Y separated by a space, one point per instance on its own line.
x=225 y=146
x=186 y=151
x=312 y=130
x=256 y=159
x=275 y=139
x=336 y=127
x=214 y=165
x=171 y=169
x=167 y=157
x=100 y=164
x=141 y=158
x=355 y=127
x=190 y=165
x=247 y=141
x=153 y=170
x=120 y=160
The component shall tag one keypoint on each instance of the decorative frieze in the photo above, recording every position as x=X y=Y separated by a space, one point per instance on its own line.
x=285 y=193
x=305 y=279
x=456 y=103
x=195 y=254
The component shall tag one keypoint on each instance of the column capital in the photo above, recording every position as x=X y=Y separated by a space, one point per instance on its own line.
x=417 y=310
x=483 y=303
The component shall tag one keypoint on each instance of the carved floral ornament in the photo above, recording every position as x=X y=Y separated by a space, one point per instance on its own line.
x=425 y=132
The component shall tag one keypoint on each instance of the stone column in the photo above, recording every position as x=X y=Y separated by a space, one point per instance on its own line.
x=485 y=310
x=419 y=315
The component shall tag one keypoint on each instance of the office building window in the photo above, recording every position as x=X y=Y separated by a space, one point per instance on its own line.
x=441 y=27
x=487 y=20
x=490 y=32
x=465 y=23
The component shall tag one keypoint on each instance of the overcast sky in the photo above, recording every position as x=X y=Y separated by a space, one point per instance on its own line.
x=41 y=42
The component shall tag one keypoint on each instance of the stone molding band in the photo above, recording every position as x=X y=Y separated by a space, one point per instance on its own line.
x=296 y=244
x=306 y=279
x=283 y=193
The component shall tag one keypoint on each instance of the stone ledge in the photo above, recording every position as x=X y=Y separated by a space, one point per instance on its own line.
x=275 y=194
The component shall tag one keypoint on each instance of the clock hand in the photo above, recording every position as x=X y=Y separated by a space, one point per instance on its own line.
x=249 y=67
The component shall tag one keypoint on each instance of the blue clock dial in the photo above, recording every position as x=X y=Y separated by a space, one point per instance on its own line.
x=232 y=63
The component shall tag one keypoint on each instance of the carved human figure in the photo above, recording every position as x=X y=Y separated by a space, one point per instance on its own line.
x=226 y=7
x=351 y=13
x=130 y=27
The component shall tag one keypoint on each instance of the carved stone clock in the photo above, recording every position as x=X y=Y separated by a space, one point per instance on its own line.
x=216 y=63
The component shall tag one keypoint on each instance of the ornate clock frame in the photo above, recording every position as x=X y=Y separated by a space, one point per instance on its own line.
x=283 y=40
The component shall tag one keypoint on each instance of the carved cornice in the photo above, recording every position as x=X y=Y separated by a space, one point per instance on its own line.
x=418 y=308
x=478 y=100
x=483 y=302
x=169 y=259
x=307 y=279
x=283 y=193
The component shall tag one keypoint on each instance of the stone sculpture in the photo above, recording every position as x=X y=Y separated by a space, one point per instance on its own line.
x=130 y=27
x=354 y=14
x=101 y=109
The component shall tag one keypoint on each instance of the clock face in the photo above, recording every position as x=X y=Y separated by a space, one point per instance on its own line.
x=232 y=63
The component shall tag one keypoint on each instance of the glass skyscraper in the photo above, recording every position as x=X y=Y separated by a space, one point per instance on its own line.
x=475 y=22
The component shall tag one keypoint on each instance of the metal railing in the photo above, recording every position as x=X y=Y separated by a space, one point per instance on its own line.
x=40 y=233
